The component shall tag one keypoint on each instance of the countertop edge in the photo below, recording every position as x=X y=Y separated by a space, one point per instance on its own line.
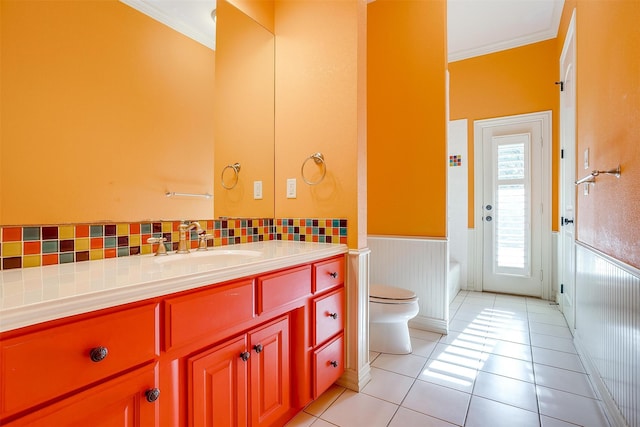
x=32 y=314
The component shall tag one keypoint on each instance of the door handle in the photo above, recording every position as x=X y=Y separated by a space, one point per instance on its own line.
x=566 y=221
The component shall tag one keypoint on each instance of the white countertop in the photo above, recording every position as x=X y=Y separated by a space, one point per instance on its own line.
x=38 y=294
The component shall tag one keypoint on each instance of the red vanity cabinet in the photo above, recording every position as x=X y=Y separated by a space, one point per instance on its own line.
x=244 y=381
x=40 y=365
x=248 y=352
x=327 y=325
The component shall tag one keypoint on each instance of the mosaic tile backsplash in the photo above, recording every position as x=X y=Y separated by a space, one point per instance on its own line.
x=33 y=246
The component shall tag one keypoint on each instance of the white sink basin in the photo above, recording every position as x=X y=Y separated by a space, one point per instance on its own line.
x=223 y=257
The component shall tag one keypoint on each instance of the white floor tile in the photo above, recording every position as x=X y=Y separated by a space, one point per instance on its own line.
x=507 y=367
x=408 y=418
x=507 y=322
x=359 y=409
x=507 y=313
x=438 y=401
x=552 y=422
x=540 y=302
x=551 y=318
x=484 y=413
x=509 y=349
x=301 y=420
x=405 y=364
x=511 y=335
x=571 y=408
x=547 y=329
x=472 y=314
x=542 y=309
x=506 y=390
x=388 y=386
x=325 y=400
x=464 y=340
x=565 y=380
x=424 y=335
x=422 y=347
x=449 y=375
x=553 y=343
x=486 y=296
x=449 y=353
x=509 y=306
x=322 y=423
x=558 y=359
x=474 y=326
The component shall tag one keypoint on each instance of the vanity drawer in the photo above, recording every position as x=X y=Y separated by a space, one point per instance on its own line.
x=281 y=288
x=328 y=365
x=42 y=365
x=208 y=312
x=328 y=274
x=328 y=312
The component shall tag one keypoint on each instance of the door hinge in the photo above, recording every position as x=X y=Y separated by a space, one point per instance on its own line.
x=562 y=153
x=561 y=83
x=541 y=275
x=562 y=288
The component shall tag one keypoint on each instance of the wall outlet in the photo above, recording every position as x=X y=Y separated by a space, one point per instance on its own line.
x=257 y=190
x=291 y=188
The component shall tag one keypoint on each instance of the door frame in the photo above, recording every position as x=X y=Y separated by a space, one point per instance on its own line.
x=479 y=127
x=567 y=155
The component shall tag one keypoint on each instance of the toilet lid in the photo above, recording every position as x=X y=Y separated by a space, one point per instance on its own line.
x=385 y=292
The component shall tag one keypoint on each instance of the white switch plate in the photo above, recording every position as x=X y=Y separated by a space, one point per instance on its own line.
x=586 y=158
x=291 y=188
x=257 y=190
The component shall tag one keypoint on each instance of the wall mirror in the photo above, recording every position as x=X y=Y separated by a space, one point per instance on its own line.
x=243 y=178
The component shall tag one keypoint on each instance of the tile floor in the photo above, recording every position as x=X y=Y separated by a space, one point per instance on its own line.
x=507 y=361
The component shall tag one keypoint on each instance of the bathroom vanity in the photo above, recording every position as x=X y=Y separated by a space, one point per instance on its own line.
x=239 y=335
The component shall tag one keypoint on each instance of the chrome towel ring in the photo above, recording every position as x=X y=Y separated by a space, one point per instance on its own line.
x=236 y=171
x=318 y=159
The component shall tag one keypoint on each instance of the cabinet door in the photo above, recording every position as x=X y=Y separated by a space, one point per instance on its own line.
x=270 y=385
x=218 y=385
x=121 y=402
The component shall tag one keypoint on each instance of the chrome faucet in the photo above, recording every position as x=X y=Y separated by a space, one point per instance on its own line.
x=184 y=228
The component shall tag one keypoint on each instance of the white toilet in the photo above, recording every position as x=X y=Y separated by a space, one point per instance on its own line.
x=390 y=310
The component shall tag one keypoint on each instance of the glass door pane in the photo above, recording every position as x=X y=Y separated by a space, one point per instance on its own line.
x=512 y=190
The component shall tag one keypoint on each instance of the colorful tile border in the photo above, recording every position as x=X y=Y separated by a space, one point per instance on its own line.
x=33 y=246
x=455 y=160
x=312 y=230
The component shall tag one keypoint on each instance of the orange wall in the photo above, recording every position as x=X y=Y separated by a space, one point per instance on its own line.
x=103 y=110
x=261 y=11
x=608 y=112
x=515 y=81
x=406 y=118
x=318 y=106
x=244 y=114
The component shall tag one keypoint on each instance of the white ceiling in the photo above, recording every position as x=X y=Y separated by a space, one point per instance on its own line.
x=189 y=17
x=478 y=27
x=475 y=27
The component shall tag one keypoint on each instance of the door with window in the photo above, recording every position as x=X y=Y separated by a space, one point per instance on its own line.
x=513 y=186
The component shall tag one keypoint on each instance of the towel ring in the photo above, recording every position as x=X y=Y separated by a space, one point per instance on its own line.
x=318 y=159
x=236 y=172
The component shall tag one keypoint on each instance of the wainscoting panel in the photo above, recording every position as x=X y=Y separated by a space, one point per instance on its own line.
x=420 y=265
x=608 y=330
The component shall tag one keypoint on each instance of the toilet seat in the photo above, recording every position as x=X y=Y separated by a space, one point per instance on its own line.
x=391 y=295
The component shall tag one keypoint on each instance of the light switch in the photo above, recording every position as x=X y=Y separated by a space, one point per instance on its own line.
x=291 y=188
x=586 y=158
x=257 y=190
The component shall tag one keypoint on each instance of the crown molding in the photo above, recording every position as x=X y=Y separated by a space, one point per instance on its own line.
x=150 y=9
